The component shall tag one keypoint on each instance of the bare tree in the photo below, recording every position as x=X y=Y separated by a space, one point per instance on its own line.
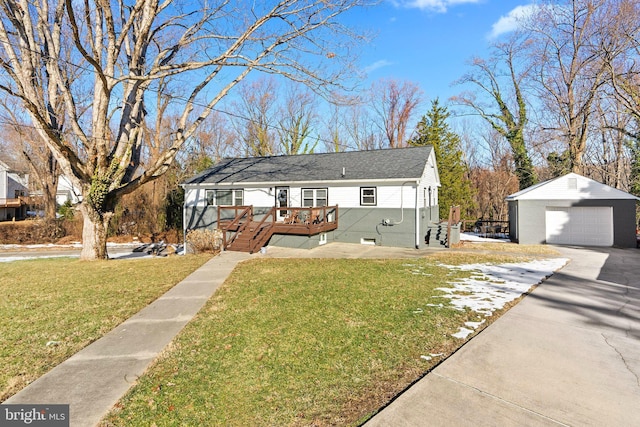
x=214 y=139
x=395 y=105
x=255 y=122
x=296 y=122
x=506 y=111
x=571 y=66
x=43 y=166
x=124 y=50
x=360 y=127
x=26 y=146
x=334 y=134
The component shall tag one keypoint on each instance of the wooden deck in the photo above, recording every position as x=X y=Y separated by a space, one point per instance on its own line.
x=242 y=232
x=11 y=203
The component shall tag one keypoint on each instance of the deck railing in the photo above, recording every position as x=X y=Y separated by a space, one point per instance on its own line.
x=308 y=220
x=236 y=220
x=11 y=203
x=233 y=225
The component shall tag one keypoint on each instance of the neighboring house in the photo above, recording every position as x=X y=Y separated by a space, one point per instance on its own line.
x=66 y=192
x=14 y=189
x=379 y=197
x=573 y=210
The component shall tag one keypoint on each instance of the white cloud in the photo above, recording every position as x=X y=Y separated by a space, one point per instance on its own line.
x=440 y=6
x=511 y=21
x=376 y=65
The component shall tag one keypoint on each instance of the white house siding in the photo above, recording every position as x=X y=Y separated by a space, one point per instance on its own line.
x=3 y=184
x=343 y=195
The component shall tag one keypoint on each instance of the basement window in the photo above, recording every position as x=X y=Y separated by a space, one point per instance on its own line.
x=367 y=241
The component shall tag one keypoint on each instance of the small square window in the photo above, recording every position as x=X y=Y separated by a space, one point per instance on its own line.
x=368 y=196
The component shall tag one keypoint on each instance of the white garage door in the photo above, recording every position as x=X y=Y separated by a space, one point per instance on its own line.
x=583 y=226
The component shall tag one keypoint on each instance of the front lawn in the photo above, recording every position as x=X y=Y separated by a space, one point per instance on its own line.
x=291 y=342
x=52 y=308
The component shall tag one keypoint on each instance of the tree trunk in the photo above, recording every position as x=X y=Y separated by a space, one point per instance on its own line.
x=49 y=204
x=49 y=193
x=94 y=233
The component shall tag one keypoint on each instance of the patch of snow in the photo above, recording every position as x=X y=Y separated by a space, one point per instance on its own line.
x=22 y=258
x=474 y=325
x=474 y=237
x=463 y=333
x=496 y=285
x=431 y=356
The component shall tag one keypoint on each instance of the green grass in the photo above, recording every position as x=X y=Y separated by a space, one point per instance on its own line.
x=301 y=342
x=282 y=342
x=68 y=304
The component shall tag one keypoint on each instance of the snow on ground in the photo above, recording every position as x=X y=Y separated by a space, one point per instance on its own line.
x=475 y=237
x=491 y=287
x=40 y=251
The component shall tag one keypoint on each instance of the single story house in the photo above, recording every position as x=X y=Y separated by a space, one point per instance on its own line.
x=380 y=197
x=14 y=189
x=573 y=210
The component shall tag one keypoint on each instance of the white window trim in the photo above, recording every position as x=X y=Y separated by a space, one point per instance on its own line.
x=315 y=196
x=375 y=196
x=234 y=198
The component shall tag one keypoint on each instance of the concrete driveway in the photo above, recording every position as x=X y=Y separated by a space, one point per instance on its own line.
x=568 y=354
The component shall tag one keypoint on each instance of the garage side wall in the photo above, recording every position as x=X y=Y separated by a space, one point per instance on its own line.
x=531 y=227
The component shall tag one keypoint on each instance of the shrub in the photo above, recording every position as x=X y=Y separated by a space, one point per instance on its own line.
x=202 y=240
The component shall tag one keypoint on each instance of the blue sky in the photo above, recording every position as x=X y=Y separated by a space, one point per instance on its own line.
x=429 y=42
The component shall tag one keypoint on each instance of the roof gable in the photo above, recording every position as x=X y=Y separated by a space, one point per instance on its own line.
x=397 y=163
x=570 y=187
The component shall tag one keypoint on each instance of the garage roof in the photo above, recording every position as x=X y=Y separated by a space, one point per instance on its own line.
x=570 y=187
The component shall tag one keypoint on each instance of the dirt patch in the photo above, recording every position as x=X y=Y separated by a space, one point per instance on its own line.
x=33 y=232
x=67 y=240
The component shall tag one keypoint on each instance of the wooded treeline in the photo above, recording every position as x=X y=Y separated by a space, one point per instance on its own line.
x=560 y=94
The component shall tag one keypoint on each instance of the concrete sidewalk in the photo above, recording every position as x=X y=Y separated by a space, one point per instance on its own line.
x=95 y=378
x=568 y=354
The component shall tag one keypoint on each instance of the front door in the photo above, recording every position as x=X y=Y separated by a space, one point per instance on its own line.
x=282 y=201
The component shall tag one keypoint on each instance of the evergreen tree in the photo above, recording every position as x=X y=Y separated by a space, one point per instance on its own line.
x=456 y=187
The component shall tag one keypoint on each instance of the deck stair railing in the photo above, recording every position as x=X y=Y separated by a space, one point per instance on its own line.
x=242 y=232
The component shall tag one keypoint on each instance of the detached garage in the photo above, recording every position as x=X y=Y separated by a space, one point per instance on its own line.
x=573 y=210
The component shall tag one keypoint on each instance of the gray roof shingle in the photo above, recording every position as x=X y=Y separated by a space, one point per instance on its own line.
x=397 y=163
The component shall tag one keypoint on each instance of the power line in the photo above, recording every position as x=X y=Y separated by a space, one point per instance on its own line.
x=148 y=90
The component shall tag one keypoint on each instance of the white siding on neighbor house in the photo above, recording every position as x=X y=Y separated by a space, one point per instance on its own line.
x=17 y=184
x=3 y=184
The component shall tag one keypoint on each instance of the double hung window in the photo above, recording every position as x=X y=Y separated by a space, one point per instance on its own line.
x=224 y=197
x=368 y=196
x=314 y=197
